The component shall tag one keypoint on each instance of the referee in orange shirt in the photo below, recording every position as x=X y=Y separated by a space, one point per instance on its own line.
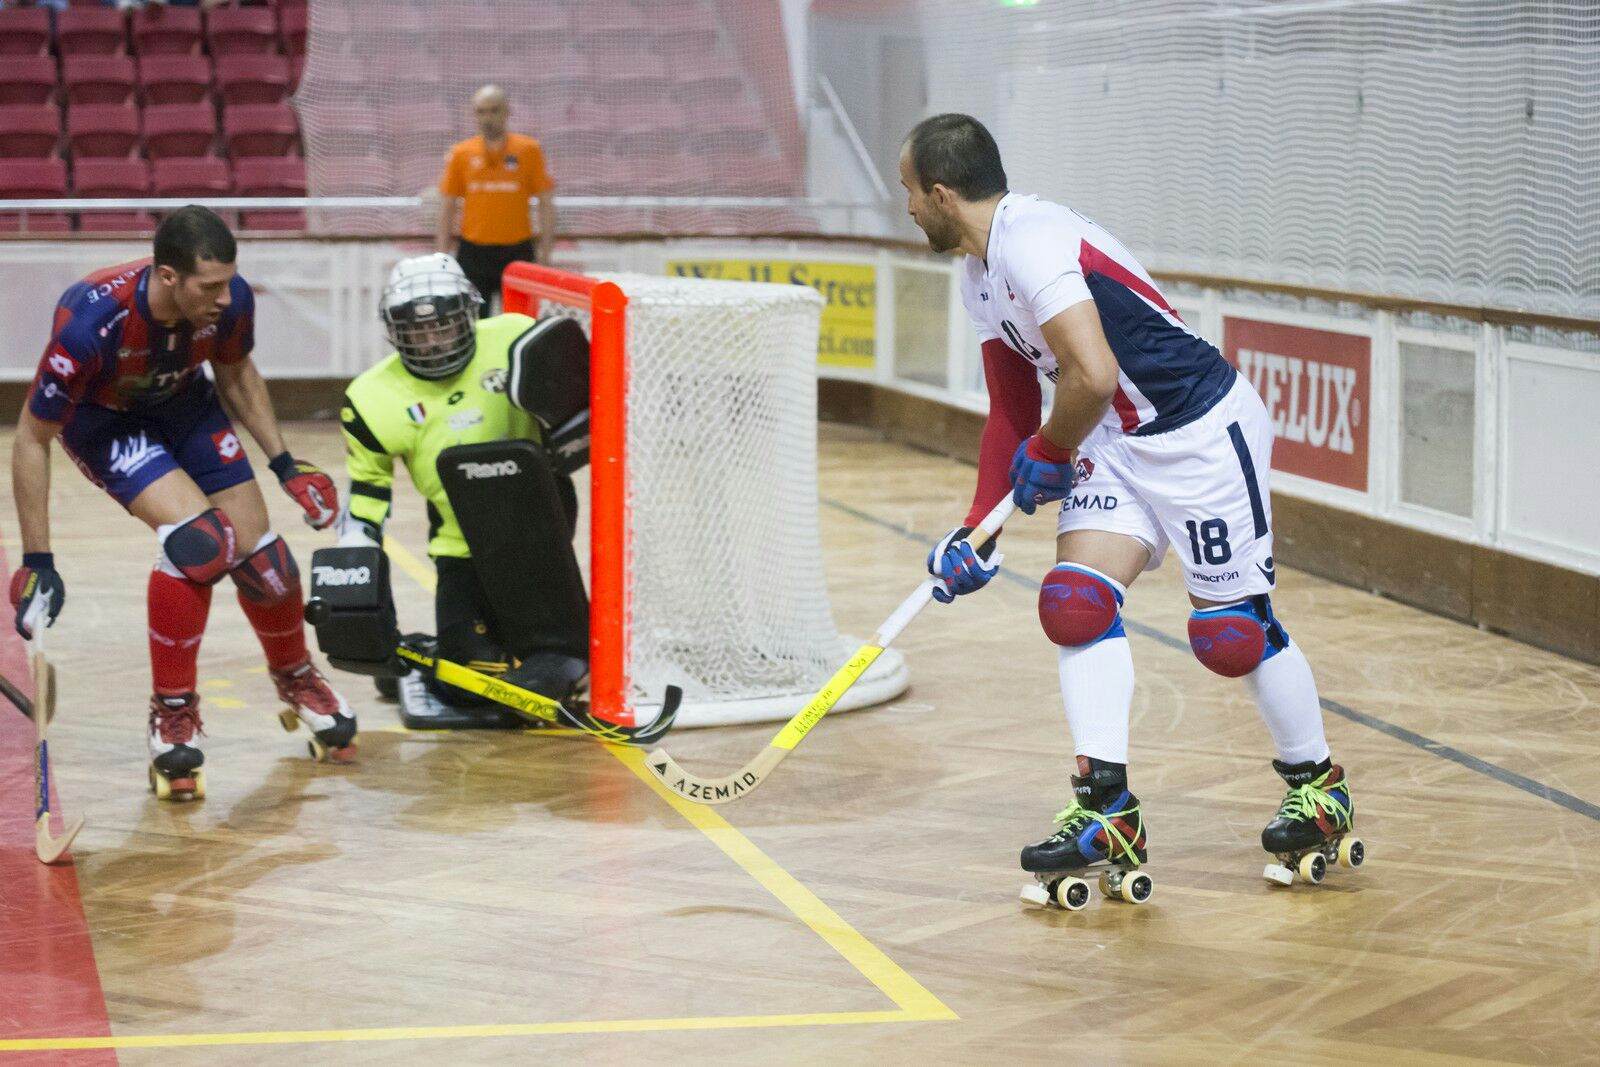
x=495 y=174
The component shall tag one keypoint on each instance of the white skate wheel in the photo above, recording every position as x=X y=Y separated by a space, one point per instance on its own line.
x=1136 y=888
x=1352 y=852
x=1034 y=893
x=1313 y=866
x=1277 y=872
x=289 y=720
x=1072 y=893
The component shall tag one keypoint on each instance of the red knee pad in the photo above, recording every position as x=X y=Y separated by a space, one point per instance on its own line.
x=1078 y=607
x=268 y=574
x=203 y=548
x=1231 y=641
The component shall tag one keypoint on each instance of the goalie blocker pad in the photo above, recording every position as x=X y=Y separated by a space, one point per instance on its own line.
x=352 y=609
x=511 y=510
x=549 y=372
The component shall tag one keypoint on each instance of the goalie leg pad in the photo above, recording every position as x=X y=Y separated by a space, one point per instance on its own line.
x=200 y=549
x=1079 y=606
x=509 y=506
x=353 y=610
x=1235 y=639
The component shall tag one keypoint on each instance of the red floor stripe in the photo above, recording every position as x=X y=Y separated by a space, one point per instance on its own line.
x=49 y=985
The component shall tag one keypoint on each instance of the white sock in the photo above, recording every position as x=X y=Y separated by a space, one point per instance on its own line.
x=1287 y=696
x=1097 y=689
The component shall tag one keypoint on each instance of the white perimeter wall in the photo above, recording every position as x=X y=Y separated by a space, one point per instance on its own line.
x=1466 y=430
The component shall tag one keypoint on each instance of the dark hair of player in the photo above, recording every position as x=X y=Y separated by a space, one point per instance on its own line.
x=190 y=234
x=955 y=151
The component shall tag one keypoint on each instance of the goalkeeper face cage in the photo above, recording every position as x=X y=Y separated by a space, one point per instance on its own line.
x=430 y=311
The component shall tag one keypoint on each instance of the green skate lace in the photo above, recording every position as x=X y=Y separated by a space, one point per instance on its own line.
x=1304 y=801
x=1073 y=817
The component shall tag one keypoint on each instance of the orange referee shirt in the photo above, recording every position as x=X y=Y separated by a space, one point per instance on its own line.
x=495 y=187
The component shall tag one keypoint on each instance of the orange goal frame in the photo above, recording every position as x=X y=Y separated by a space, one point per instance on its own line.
x=523 y=287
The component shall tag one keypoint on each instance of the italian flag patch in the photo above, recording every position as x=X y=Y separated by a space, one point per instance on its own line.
x=417 y=412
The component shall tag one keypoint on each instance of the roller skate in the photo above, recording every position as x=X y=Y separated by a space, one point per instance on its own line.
x=175 y=756
x=1102 y=827
x=1312 y=829
x=311 y=700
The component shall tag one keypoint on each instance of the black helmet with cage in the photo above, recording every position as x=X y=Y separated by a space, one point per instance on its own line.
x=430 y=312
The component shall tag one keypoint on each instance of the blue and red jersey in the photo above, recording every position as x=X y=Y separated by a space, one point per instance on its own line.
x=107 y=350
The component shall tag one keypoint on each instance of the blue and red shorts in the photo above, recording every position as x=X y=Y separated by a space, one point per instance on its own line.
x=124 y=451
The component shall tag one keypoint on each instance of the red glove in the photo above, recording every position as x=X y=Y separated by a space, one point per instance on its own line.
x=311 y=488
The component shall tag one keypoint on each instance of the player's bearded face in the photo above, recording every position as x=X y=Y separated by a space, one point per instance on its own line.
x=203 y=295
x=940 y=227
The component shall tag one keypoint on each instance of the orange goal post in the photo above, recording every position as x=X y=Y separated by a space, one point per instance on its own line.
x=705 y=559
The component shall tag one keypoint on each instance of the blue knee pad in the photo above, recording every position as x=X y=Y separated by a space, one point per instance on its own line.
x=1079 y=606
x=1236 y=639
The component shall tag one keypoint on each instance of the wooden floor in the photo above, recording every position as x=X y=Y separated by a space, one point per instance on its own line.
x=489 y=898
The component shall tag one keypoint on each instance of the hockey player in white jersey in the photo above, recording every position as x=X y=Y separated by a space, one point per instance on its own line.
x=1153 y=440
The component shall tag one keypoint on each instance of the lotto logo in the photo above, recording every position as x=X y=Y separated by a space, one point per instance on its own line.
x=62 y=365
x=228 y=446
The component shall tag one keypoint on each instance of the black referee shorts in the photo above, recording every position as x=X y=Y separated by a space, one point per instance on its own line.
x=484 y=264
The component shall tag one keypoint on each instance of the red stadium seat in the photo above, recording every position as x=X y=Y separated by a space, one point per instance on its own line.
x=197 y=176
x=292 y=27
x=98 y=79
x=112 y=179
x=27 y=80
x=29 y=130
x=174 y=79
x=272 y=220
x=259 y=129
x=22 y=179
x=241 y=29
x=252 y=79
x=120 y=179
x=102 y=129
x=274 y=176
x=179 y=130
x=91 y=31
x=160 y=29
x=24 y=31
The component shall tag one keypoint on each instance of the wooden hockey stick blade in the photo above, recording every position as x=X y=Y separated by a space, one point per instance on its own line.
x=50 y=849
x=748 y=778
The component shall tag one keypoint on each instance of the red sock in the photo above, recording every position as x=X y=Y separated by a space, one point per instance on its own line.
x=279 y=627
x=177 y=613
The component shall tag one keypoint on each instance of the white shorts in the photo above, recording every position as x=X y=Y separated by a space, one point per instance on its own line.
x=1202 y=488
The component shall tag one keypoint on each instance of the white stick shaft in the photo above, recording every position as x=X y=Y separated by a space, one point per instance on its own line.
x=901 y=617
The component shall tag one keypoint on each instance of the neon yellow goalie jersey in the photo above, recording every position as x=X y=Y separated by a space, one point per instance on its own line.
x=391 y=414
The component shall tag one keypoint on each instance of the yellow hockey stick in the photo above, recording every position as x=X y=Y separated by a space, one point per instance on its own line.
x=745 y=780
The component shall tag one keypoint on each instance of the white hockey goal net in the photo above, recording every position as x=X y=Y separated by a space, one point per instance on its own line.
x=705 y=557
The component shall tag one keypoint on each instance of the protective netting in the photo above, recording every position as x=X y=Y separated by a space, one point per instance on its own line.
x=726 y=582
x=684 y=98
x=1440 y=150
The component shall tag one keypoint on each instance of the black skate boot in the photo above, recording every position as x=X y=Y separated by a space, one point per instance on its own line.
x=1313 y=824
x=1102 y=827
x=175 y=756
x=312 y=700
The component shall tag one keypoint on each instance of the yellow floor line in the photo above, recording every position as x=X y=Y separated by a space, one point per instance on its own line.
x=890 y=979
x=424 y=1033
x=914 y=1003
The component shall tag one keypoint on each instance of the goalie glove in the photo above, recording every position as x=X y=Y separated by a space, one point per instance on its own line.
x=959 y=568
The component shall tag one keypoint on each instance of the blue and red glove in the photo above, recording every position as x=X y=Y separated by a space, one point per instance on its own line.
x=960 y=568
x=37 y=588
x=1041 y=471
x=311 y=488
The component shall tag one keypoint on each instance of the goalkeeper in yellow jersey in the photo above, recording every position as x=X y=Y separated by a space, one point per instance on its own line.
x=490 y=418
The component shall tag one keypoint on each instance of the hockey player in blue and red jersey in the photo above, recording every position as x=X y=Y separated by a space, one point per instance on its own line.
x=121 y=384
x=1152 y=439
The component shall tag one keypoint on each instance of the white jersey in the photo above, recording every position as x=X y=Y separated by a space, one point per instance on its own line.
x=1042 y=259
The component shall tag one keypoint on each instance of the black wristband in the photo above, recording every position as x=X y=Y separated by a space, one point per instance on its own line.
x=39 y=561
x=282 y=465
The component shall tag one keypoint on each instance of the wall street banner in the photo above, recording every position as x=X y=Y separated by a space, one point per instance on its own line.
x=1316 y=385
x=848 y=335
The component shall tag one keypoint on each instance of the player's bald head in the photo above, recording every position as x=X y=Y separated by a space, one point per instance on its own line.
x=957 y=152
x=491 y=109
x=490 y=95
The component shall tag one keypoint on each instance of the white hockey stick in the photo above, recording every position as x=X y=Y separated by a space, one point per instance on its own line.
x=746 y=779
